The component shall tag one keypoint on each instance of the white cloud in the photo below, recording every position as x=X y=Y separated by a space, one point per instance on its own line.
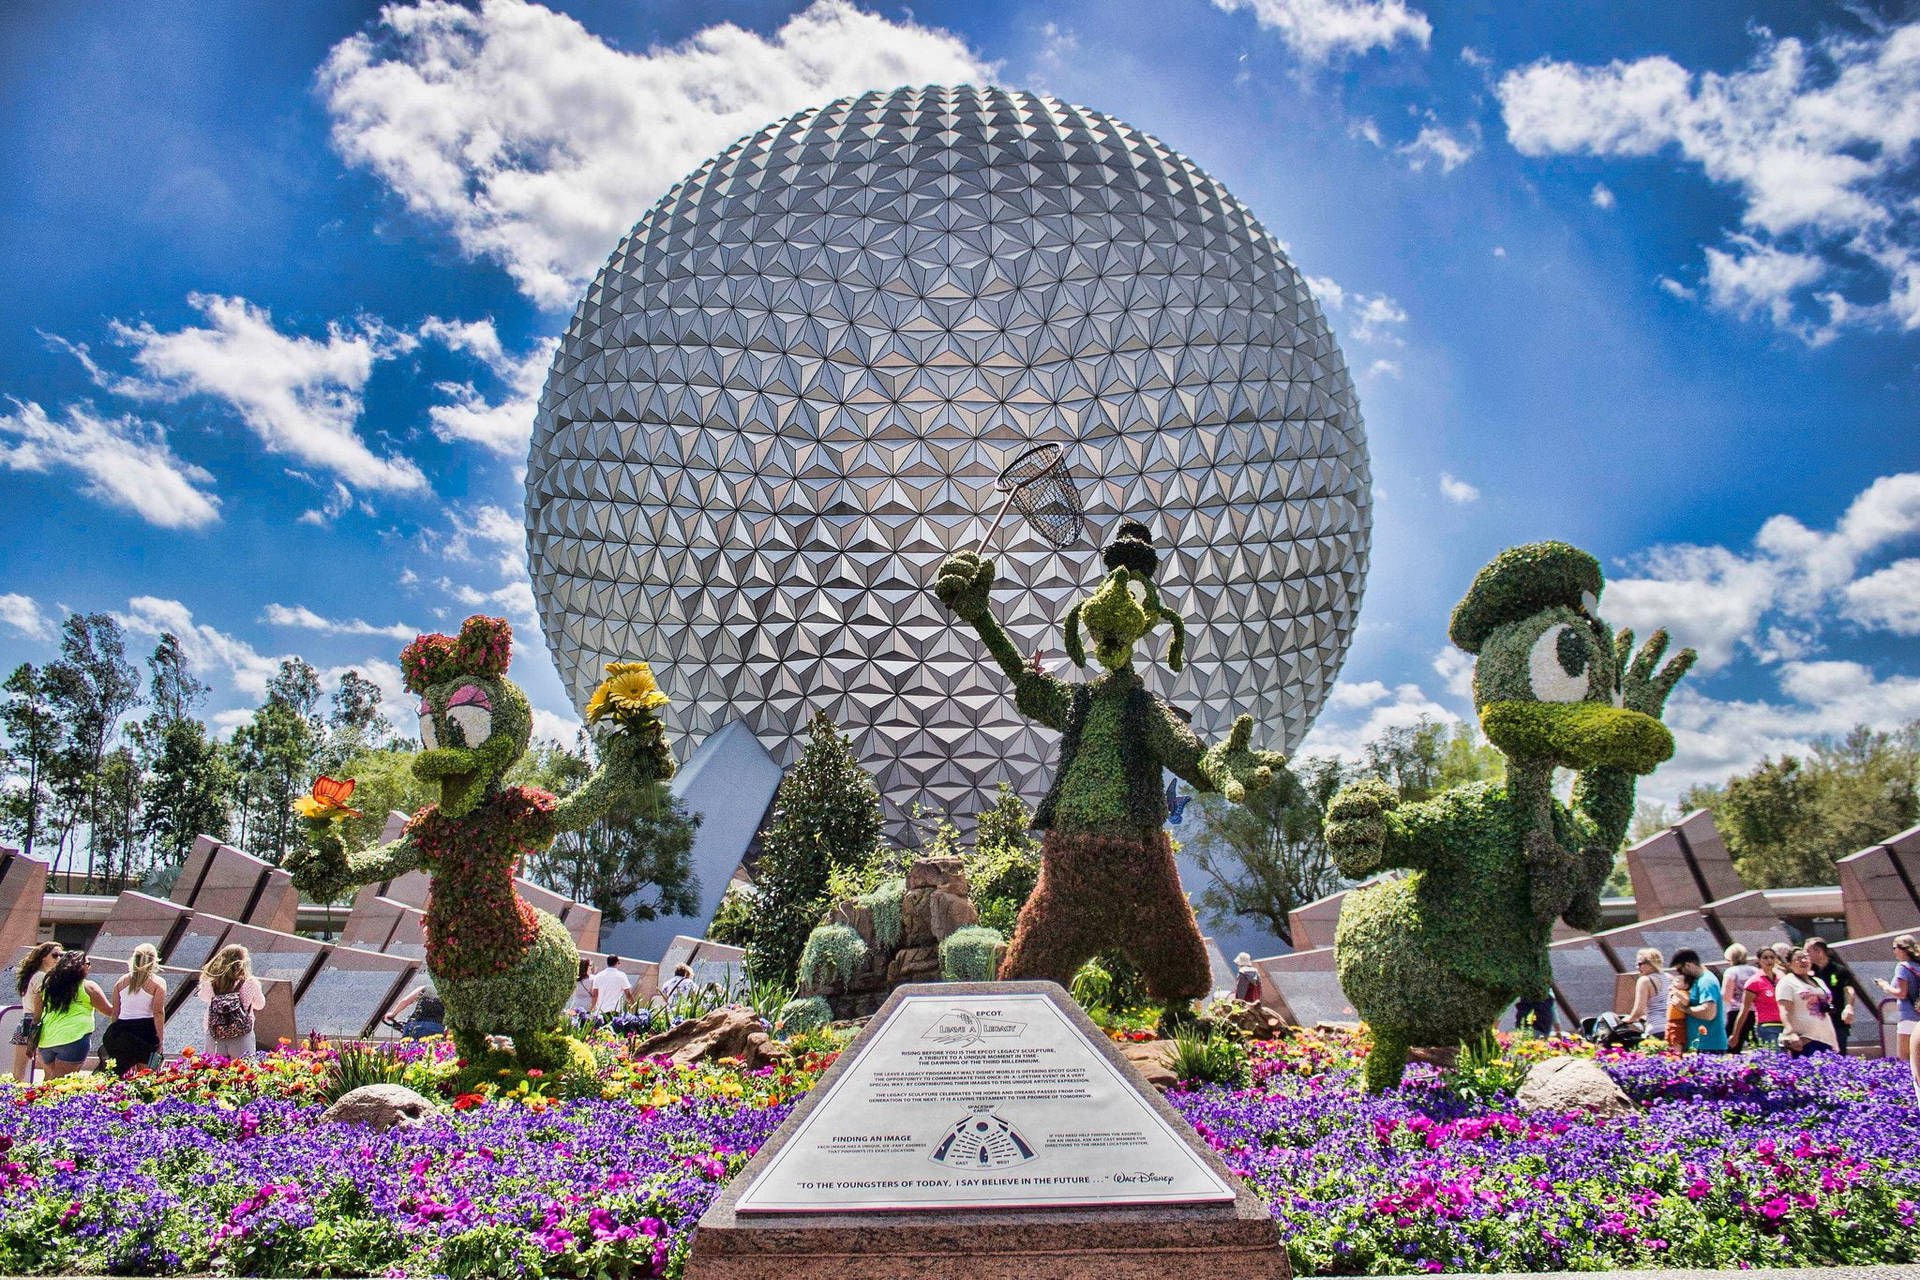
x=1384 y=369
x=1888 y=599
x=1456 y=490
x=1436 y=145
x=1455 y=669
x=125 y=462
x=280 y=615
x=22 y=614
x=538 y=145
x=555 y=726
x=207 y=649
x=1602 y=196
x=501 y=425
x=1818 y=139
x=1320 y=30
x=492 y=535
x=1715 y=739
x=1348 y=695
x=1371 y=312
x=1773 y=599
x=1499 y=251
x=301 y=396
x=1336 y=735
x=1669 y=285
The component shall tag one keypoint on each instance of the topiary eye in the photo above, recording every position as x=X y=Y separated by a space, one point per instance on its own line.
x=1557 y=664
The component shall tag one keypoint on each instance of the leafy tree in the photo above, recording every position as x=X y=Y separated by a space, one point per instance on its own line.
x=1422 y=759
x=355 y=724
x=113 y=840
x=33 y=734
x=272 y=754
x=90 y=688
x=825 y=815
x=1004 y=863
x=1268 y=856
x=187 y=791
x=172 y=690
x=732 y=923
x=1785 y=821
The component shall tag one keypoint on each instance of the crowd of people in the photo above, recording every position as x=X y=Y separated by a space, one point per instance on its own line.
x=1800 y=998
x=59 y=1000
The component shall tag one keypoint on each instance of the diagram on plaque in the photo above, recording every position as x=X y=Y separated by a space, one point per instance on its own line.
x=982 y=1140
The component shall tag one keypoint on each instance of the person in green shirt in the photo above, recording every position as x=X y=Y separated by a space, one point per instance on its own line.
x=68 y=1001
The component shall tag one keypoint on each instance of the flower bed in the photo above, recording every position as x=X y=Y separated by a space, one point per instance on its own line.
x=222 y=1167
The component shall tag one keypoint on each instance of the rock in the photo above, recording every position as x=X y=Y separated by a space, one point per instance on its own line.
x=916 y=922
x=939 y=873
x=1442 y=1056
x=1152 y=1059
x=1257 y=1021
x=855 y=916
x=380 y=1107
x=949 y=911
x=913 y=964
x=1573 y=1084
x=724 y=1033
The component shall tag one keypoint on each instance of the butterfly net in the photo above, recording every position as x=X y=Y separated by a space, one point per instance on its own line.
x=1041 y=489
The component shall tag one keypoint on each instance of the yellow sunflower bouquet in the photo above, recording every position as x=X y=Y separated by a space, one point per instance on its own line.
x=628 y=697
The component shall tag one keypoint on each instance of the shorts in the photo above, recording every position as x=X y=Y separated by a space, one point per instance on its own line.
x=73 y=1051
x=1767 y=1035
x=1906 y=1027
x=27 y=1034
x=1811 y=1047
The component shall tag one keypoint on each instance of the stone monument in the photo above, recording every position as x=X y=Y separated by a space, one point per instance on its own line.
x=984 y=1131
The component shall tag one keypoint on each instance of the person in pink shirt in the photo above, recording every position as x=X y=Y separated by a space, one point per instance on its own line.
x=1759 y=1005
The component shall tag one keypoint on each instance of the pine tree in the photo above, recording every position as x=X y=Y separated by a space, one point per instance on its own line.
x=826 y=815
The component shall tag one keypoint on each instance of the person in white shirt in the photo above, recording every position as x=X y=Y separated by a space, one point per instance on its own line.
x=1805 y=1002
x=610 y=988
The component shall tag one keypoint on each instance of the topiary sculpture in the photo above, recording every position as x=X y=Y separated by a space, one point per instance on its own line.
x=1107 y=878
x=1432 y=959
x=501 y=966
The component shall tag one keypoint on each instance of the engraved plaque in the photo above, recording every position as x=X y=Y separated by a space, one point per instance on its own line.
x=981 y=1100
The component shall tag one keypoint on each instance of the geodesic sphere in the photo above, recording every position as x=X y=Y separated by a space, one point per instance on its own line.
x=788 y=394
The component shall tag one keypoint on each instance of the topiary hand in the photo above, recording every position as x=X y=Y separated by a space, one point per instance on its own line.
x=1356 y=826
x=1640 y=689
x=1237 y=772
x=319 y=868
x=639 y=757
x=963 y=583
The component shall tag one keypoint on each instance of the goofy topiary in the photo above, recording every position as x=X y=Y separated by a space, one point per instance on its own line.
x=1107 y=878
x=1432 y=959
x=502 y=967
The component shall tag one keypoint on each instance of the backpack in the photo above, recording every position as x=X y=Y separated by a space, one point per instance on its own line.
x=228 y=1018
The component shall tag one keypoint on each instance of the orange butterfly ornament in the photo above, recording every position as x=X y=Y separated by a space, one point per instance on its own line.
x=329 y=799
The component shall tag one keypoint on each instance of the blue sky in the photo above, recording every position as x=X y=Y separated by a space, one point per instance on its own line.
x=281 y=287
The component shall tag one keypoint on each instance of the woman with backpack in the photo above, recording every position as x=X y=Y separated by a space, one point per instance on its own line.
x=233 y=996
x=27 y=981
x=68 y=1001
x=139 y=1014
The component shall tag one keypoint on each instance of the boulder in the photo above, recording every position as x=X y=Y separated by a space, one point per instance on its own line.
x=1573 y=1084
x=724 y=1033
x=913 y=964
x=1154 y=1060
x=947 y=912
x=1256 y=1020
x=380 y=1107
x=939 y=873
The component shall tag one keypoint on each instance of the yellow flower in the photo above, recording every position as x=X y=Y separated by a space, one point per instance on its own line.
x=598 y=705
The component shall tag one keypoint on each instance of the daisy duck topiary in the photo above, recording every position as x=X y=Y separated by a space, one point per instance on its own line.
x=503 y=967
x=1107 y=876
x=1433 y=958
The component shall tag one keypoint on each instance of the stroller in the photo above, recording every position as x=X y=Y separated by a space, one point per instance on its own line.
x=1611 y=1031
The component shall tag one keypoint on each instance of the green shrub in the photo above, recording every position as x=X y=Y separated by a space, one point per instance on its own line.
x=732 y=923
x=1204 y=1059
x=358 y=1065
x=801 y=1017
x=1483 y=1073
x=967 y=954
x=1092 y=986
x=886 y=903
x=833 y=953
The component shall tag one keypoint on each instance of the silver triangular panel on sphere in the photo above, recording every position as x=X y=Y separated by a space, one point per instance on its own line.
x=790 y=391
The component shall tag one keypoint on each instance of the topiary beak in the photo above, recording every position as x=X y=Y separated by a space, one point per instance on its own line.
x=1577 y=735
x=459 y=771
